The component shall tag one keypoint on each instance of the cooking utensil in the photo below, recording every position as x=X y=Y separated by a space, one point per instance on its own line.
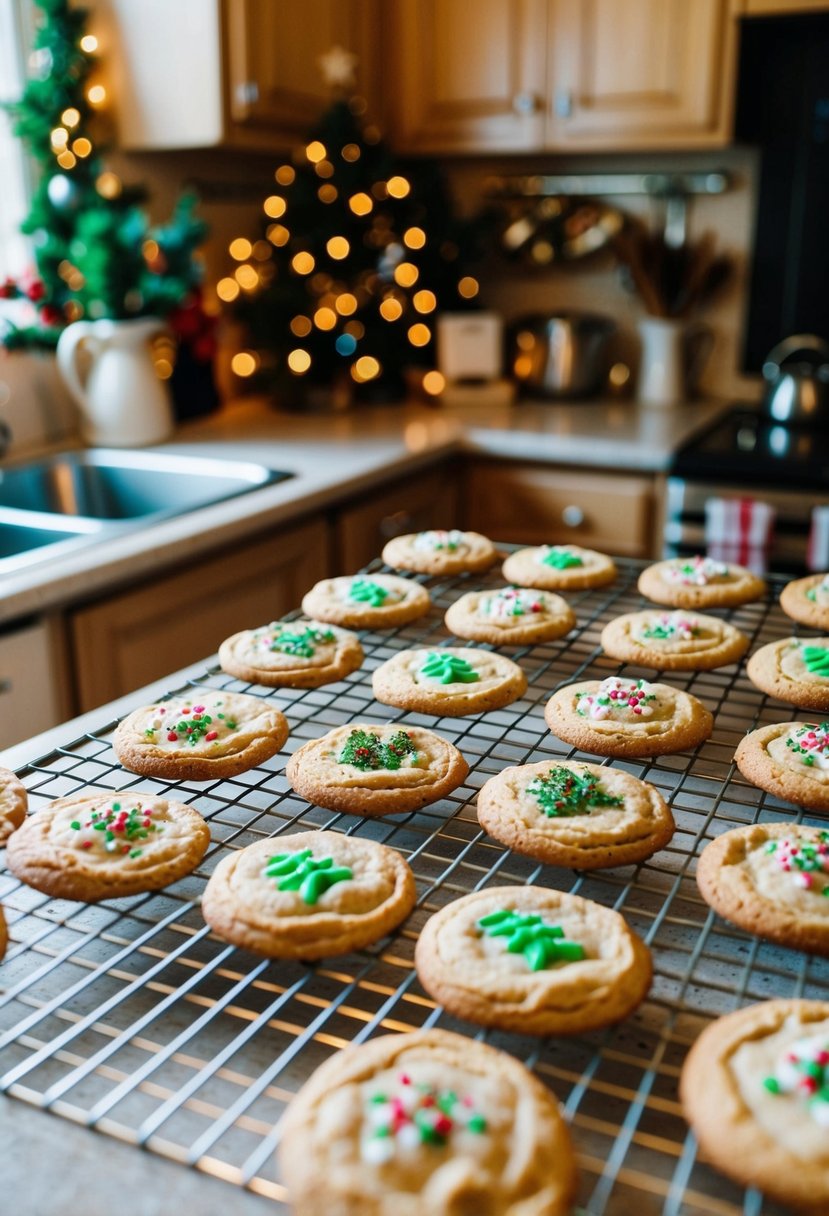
x=797 y=380
x=564 y=355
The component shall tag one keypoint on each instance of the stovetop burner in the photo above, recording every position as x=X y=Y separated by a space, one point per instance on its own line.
x=748 y=449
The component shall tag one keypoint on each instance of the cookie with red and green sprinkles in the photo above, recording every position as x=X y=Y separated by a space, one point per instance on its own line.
x=195 y=738
x=700 y=582
x=795 y=670
x=302 y=653
x=426 y=1122
x=367 y=601
x=559 y=568
x=789 y=759
x=755 y=1089
x=99 y=845
x=771 y=879
x=440 y=551
x=807 y=600
x=510 y=616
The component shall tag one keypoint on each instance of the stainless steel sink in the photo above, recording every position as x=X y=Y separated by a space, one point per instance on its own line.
x=53 y=506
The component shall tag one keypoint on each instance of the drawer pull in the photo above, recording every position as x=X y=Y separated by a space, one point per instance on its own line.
x=572 y=516
x=396 y=524
x=526 y=103
x=5 y=685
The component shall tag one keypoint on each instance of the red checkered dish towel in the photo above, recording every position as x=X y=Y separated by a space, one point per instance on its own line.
x=739 y=530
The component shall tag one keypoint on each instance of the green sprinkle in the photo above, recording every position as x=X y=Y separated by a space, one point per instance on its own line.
x=772 y=1085
x=563 y=793
x=365 y=751
x=75 y=825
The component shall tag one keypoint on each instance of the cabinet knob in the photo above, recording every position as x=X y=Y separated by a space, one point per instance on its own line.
x=572 y=516
x=247 y=93
x=526 y=103
x=5 y=685
x=563 y=103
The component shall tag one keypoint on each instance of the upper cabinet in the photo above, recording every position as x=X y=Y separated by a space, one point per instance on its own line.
x=579 y=75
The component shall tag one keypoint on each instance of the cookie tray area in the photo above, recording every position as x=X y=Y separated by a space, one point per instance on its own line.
x=130 y=1017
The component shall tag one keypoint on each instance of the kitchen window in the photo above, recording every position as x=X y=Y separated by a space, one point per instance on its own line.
x=15 y=249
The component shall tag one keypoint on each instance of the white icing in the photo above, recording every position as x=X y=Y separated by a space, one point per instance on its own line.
x=695 y=572
x=439 y=541
x=502 y=605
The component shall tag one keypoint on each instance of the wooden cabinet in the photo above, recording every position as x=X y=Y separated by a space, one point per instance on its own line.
x=584 y=75
x=361 y=529
x=33 y=679
x=144 y=634
x=534 y=504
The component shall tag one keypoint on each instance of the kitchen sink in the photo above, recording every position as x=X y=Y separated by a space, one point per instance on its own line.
x=55 y=505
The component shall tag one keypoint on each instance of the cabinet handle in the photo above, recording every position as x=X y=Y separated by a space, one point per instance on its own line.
x=5 y=685
x=247 y=93
x=526 y=103
x=396 y=524
x=572 y=516
x=563 y=103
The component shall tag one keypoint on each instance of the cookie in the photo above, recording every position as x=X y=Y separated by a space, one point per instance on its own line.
x=195 y=738
x=807 y=600
x=13 y=803
x=700 y=582
x=376 y=770
x=104 y=845
x=307 y=896
x=559 y=568
x=510 y=616
x=376 y=601
x=616 y=717
x=449 y=682
x=4 y=934
x=532 y=960
x=794 y=670
x=755 y=1089
x=583 y=816
x=291 y=654
x=673 y=641
x=773 y=880
x=789 y=759
x=440 y=552
x=427 y=1122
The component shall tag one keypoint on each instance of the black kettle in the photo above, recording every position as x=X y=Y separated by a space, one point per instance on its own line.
x=797 y=381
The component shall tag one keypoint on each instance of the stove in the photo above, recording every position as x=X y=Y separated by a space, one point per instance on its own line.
x=750 y=450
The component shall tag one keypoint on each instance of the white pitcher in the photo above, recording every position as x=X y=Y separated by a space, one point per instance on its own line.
x=673 y=353
x=123 y=403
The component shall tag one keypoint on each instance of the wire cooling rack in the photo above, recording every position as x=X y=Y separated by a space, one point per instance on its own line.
x=129 y=1016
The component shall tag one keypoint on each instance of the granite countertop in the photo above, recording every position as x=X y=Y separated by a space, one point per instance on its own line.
x=337 y=456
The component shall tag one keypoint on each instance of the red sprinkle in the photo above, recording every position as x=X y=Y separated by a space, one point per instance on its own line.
x=86 y=844
x=211 y=735
x=172 y=737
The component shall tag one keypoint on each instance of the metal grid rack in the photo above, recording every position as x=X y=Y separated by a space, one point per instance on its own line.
x=130 y=1017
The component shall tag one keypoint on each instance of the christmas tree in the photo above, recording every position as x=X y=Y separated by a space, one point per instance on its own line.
x=357 y=256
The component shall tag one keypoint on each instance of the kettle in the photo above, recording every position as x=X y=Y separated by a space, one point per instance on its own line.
x=796 y=372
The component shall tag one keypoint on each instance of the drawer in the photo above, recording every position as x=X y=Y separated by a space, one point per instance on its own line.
x=534 y=504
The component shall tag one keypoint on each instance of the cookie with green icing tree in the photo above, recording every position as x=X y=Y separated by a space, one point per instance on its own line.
x=533 y=960
x=807 y=600
x=559 y=568
x=426 y=1122
x=450 y=681
x=755 y=1089
x=302 y=653
x=700 y=582
x=771 y=879
x=510 y=616
x=790 y=760
x=681 y=640
x=104 y=845
x=367 y=601
x=440 y=551
x=795 y=670
x=310 y=895
x=569 y=813
x=366 y=769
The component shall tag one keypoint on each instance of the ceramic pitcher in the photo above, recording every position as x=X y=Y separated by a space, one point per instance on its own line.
x=673 y=353
x=122 y=401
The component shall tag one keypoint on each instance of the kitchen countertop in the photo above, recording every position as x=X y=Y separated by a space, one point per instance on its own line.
x=337 y=456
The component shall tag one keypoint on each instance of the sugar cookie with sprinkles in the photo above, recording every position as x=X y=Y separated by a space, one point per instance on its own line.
x=619 y=717
x=367 y=601
x=795 y=670
x=559 y=568
x=700 y=582
x=426 y=1122
x=449 y=682
x=99 y=845
x=510 y=616
x=4 y=934
x=364 y=769
x=806 y=600
x=307 y=896
x=291 y=654
x=771 y=879
x=790 y=760
x=532 y=960
x=13 y=803
x=673 y=641
x=755 y=1089
x=438 y=551
x=198 y=737
x=568 y=813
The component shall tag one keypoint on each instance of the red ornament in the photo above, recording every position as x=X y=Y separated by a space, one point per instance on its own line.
x=36 y=290
x=50 y=315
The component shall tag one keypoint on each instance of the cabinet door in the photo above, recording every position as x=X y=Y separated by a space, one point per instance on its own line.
x=144 y=634
x=466 y=76
x=534 y=505
x=641 y=73
x=33 y=680
x=430 y=501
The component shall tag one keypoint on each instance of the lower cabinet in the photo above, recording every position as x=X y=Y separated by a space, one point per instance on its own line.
x=34 y=684
x=144 y=634
x=534 y=504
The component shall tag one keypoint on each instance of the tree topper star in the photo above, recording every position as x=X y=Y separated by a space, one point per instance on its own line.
x=338 y=67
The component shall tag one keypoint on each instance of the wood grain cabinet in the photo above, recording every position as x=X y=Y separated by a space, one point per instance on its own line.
x=561 y=74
